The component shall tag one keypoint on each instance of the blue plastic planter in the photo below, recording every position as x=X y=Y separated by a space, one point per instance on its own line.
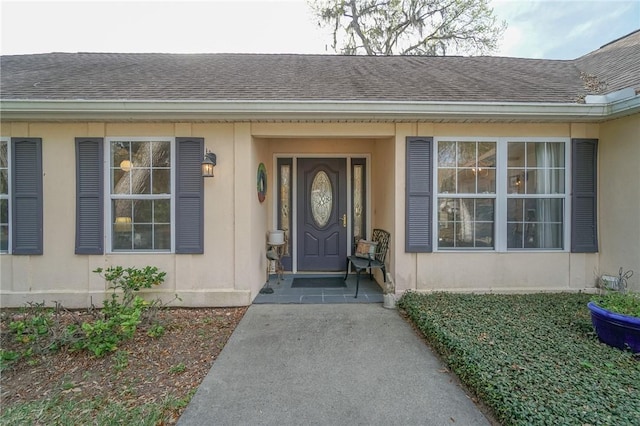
x=619 y=331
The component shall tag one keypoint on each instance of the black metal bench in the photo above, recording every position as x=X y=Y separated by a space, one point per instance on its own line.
x=376 y=261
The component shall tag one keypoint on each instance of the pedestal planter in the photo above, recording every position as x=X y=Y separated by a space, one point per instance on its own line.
x=389 y=301
x=619 y=331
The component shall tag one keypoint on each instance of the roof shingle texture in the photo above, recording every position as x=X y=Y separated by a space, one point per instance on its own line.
x=288 y=77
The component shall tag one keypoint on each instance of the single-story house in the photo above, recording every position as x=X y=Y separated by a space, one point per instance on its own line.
x=491 y=174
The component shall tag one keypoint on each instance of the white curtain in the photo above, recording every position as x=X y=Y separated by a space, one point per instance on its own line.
x=548 y=181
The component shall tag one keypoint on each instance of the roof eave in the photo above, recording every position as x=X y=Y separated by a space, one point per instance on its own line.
x=306 y=110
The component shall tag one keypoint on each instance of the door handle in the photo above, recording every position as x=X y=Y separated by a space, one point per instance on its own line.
x=344 y=220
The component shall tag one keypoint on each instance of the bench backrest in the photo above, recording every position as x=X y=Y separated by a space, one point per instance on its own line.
x=381 y=237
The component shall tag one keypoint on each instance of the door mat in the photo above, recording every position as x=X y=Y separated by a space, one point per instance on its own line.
x=327 y=282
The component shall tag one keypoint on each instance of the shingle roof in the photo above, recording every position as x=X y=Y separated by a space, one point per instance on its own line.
x=616 y=64
x=284 y=77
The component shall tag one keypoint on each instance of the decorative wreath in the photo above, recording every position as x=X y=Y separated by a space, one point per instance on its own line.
x=262 y=182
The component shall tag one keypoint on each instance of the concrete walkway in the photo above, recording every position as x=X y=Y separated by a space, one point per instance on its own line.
x=328 y=365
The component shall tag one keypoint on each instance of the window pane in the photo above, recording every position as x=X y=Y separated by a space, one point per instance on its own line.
x=285 y=213
x=543 y=181
x=120 y=151
x=473 y=170
x=120 y=182
x=142 y=211
x=4 y=154
x=142 y=237
x=141 y=168
x=4 y=225
x=544 y=210
x=321 y=198
x=556 y=153
x=446 y=154
x=122 y=240
x=162 y=237
x=140 y=181
x=4 y=211
x=161 y=181
x=515 y=209
x=514 y=235
x=550 y=236
x=535 y=223
x=533 y=182
x=161 y=154
x=4 y=238
x=447 y=180
x=466 y=181
x=515 y=181
x=162 y=211
x=516 y=154
x=4 y=181
x=487 y=181
x=466 y=154
x=4 y=168
x=122 y=219
x=122 y=209
x=484 y=210
x=486 y=154
x=447 y=212
x=544 y=172
x=532 y=149
x=484 y=235
x=358 y=202
x=141 y=154
x=466 y=223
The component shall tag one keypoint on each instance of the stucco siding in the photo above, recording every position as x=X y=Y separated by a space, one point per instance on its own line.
x=490 y=271
x=233 y=267
x=619 y=202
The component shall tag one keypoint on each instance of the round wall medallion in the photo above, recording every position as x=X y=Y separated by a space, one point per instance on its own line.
x=262 y=182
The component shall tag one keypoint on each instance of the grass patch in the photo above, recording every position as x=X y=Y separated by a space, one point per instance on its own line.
x=533 y=359
x=63 y=410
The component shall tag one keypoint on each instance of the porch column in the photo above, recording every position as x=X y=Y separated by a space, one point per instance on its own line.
x=244 y=193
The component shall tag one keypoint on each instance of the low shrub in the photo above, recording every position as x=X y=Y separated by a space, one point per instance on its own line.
x=40 y=330
x=533 y=359
x=620 y=303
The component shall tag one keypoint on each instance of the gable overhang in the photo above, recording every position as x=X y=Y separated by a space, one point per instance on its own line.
x=305 y=110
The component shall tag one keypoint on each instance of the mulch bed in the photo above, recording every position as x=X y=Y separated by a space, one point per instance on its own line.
x=171 y=365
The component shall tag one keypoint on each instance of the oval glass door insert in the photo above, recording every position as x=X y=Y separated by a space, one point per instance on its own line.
x=321 y=198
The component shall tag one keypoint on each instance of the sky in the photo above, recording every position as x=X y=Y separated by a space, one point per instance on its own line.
x=549 y=29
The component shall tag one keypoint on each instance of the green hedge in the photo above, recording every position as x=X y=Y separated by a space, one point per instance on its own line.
x=533 y=359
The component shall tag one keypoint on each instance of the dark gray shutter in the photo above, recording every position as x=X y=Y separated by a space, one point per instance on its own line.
x=419 y=197
x=584 y=225
x=89 y=196
x=189 y=196
x=26 y=195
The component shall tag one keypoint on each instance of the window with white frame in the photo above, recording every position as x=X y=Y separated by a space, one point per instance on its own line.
x=4 y=195
x=535 y=195
x=140 y=192
x=466 y=194
x=501 y=194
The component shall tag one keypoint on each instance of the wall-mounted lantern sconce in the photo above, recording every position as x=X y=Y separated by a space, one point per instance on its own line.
x=208 y=163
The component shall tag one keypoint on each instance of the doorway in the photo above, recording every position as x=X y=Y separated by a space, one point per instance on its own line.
x=321 y=214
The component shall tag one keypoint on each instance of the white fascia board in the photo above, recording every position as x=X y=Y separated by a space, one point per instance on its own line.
x=623 y=107
x=57 y=110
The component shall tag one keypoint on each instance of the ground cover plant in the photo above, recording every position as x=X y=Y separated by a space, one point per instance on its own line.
x=532 y=359
x=620 y=303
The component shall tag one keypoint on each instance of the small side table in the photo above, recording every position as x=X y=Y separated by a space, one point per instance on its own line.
x=275 y=253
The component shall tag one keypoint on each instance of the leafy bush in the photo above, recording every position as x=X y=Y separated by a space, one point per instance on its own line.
x=39 y=329
x=534 y=359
